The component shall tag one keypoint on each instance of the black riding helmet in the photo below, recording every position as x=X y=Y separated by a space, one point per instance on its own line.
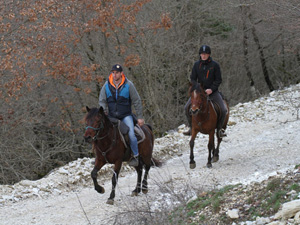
x=204 y=49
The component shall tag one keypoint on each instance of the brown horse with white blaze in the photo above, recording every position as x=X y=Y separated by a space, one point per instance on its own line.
x=109 y=148
x=204 y=120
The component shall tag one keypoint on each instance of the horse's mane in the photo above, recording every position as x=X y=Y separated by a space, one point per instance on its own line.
x=195 y=86
x=92 y=113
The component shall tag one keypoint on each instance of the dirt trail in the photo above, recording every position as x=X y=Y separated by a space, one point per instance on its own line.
x=263 y=139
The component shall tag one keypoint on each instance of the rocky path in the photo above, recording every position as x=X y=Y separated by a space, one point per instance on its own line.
x=263 y=140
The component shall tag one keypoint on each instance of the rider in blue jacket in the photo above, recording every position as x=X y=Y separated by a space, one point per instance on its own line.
x=116 y=97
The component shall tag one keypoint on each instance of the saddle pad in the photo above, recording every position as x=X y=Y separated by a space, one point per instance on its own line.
x=139 y=133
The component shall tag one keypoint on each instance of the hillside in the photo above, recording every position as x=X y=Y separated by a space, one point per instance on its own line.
x=263 y=141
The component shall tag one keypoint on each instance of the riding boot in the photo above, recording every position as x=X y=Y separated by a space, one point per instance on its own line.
x=134 y=161
x=220 y=131
x=189 y=119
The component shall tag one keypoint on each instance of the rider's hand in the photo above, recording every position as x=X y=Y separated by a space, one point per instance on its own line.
x=208 y=91
x=141 y=122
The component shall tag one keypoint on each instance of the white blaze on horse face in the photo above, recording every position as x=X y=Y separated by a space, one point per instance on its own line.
x=194 y=106
x=195 y=94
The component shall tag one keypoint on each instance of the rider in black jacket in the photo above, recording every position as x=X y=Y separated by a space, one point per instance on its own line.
x=208 y=72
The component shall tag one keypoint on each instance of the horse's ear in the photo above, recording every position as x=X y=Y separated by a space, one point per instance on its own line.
x=190 y=87
x=87 y=108
x=101 y=110
x=193 y=83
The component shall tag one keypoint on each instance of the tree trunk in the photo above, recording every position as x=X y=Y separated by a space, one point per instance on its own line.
x=244 y=11
x=261 y=55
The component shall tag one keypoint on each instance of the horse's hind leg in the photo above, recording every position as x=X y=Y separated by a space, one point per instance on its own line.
x=145 y=182
x=114 y=180
x=94 y=172
x=137 y=189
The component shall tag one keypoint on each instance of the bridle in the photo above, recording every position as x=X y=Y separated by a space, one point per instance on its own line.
x=98 y=129
x=96 y=137
x=200 y=111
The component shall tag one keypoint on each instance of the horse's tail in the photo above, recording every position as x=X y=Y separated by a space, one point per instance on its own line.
x=155 y=162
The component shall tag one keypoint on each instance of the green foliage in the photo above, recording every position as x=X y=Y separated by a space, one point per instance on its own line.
x=273 y=202
x=218 y=27
x=213 y=199
x=295 y=187
x=263 y=200
x=273 y=184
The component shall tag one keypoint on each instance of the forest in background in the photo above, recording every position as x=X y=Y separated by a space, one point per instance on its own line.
x=56 y=55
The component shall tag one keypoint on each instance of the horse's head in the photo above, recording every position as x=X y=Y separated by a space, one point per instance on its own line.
x=95 y=123
x=198 y=97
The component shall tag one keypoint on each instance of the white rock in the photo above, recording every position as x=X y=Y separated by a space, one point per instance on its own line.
x=35 y=190
x=27 y=183
x=289 y=209
x=276 y=223
x=250 y=223
x=7 y=197
x=63 y=171
x=297 y=217
x=262 y=220
x=292 y=192
x=192 y=199
x=233 y=214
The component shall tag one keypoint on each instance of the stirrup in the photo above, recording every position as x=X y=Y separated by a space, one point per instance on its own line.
x=221 y=133
x=134 y=161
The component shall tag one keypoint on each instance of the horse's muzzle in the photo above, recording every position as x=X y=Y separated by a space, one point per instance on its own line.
x=194 y=111
x=87 y=139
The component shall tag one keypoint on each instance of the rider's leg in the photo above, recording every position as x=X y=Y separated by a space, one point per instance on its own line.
x=216 y=97
x=133 y=141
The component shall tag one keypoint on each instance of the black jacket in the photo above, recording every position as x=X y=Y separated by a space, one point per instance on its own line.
x=208 y=73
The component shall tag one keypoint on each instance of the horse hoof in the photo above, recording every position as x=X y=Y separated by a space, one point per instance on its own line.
x=215 y=158
x=192 y=165
x=145 y=191
x=134 y=193
x=209 y=165
x=100 y=190
x=110 y=201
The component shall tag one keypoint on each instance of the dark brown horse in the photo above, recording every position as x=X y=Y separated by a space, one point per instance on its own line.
x=109 y=148
x=204 y=120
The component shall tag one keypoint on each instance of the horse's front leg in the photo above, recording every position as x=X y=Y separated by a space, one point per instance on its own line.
x=137 y=189
x=211 y=146
x=97 y=167
x=192 y=142
x=114 y=181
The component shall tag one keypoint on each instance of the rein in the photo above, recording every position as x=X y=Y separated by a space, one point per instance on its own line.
x=96 y=137
x=207 y=118
x=206 y=110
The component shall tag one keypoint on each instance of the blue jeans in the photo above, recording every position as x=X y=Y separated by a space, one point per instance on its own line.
x=133 y=141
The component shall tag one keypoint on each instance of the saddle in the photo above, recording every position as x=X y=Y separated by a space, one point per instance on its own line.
x=124 y=129
x=217 y=107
